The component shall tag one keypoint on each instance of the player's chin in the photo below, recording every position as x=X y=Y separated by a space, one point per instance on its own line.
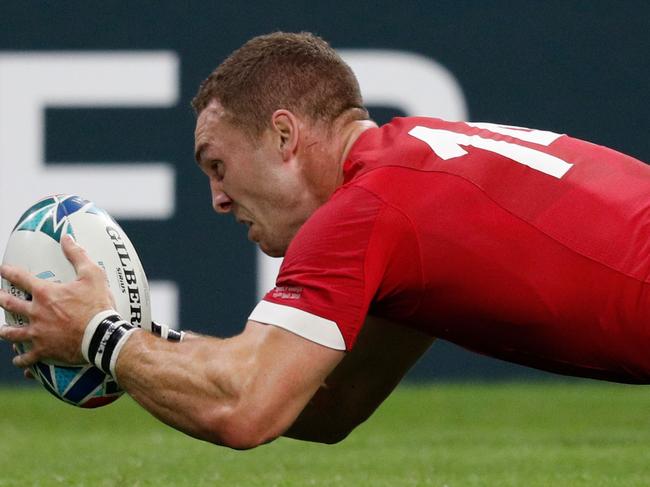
x=272 y=250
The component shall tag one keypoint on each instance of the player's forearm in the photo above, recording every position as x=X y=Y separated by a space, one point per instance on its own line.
x=239 y=392
x=195 y=386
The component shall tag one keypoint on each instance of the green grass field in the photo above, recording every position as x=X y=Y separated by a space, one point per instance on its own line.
x=545 y=434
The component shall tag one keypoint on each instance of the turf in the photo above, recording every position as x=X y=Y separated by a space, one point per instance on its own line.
x=545 y=434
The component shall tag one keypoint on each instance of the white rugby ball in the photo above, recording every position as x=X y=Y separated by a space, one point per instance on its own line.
x=35 y=244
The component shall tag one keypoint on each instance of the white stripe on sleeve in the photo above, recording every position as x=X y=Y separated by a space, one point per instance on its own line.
x=320 y=330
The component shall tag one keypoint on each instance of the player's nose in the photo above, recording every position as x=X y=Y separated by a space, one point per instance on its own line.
x=221 y=202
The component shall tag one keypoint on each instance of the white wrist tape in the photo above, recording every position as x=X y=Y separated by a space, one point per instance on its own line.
x=105 y=335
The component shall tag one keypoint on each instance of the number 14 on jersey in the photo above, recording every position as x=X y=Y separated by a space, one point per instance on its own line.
x=448 y=145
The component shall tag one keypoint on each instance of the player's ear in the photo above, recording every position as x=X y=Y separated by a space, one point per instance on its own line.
x=286 y=131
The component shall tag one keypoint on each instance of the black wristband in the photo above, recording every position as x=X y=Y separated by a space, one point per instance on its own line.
x=105 y=336
x=164 y=331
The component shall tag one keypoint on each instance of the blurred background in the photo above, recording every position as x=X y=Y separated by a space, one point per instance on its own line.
x=94 y=100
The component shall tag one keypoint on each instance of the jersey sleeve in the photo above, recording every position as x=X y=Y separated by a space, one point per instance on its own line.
x=336 y=267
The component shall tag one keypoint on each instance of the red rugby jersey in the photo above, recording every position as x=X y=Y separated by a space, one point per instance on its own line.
x=521 y=244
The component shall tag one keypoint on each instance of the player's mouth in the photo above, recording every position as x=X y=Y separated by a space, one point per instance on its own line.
x=243 y=221
x=249 y=224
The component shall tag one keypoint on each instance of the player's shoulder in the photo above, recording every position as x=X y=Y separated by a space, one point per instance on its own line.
x=392 y=144
x=388 y=135
x=352 y=202
x=355 y=214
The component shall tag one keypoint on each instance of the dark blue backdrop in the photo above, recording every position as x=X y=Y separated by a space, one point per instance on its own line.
x=568 y=66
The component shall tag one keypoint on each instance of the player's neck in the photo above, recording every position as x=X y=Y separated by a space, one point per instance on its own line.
x=348 y=136
x=325 y=150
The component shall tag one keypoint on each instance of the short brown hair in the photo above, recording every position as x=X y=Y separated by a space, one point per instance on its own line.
x=296 y=71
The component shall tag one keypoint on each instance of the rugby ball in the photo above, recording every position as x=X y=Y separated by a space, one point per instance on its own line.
x=35 y=244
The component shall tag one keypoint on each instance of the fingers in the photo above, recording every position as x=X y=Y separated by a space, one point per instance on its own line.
x=14 y=333
x=28 y=374
x=77 y=256
x=18 y=277
x=14 y=304
x=25 y=360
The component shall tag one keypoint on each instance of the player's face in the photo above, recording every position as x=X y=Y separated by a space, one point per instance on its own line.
x=251 y=180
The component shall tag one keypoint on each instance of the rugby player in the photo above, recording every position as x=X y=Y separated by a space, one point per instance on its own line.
x=522 y=244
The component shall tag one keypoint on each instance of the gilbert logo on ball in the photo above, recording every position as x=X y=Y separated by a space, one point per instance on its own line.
x=35 y=244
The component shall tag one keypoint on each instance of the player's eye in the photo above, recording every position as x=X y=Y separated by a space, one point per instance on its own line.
x=217 y=168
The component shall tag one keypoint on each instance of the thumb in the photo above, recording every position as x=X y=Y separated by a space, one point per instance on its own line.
x=76 y=254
